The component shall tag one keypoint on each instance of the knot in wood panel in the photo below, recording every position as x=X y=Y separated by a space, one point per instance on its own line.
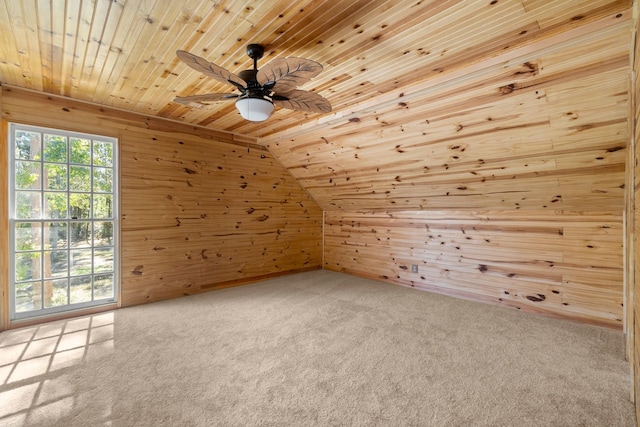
x=505 y=90
x=527 y=69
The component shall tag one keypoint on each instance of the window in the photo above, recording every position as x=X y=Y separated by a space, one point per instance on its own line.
x=63 y=220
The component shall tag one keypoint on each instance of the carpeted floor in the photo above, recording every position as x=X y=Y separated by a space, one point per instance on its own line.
x=317 y=348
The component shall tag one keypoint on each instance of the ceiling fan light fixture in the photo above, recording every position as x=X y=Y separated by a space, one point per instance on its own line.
x=254 y=109
x=260 y=90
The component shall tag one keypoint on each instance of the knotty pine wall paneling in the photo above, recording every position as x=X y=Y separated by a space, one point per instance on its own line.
x=634 y=234
x=199 y=209
x=225 y=214
x=629 y=239
x=560 y=263
x=503 y=179
x=630 y=218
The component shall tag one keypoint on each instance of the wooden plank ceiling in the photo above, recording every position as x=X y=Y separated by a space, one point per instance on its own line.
x=443 y=104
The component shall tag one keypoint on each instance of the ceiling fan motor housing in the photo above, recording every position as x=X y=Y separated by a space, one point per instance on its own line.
x=254 y=89
x=249 y=76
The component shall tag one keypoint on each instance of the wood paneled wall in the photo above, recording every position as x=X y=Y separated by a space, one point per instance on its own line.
x=200 y=209
x=196 y=215
x=632 y=328
x=504 y=180
x=561 y=263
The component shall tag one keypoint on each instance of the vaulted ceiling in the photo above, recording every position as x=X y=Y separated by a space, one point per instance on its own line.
x=484 y=104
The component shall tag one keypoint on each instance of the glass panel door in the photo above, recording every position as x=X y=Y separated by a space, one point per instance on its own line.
x=63 y=220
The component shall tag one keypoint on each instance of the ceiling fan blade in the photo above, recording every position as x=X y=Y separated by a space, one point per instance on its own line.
x=210 y=69
x=197 y=100
x=303 y=100
x=288 y=73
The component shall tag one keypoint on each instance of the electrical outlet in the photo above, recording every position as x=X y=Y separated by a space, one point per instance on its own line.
x=414 y=268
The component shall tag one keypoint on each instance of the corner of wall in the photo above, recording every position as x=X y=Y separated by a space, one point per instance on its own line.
x=632 y=261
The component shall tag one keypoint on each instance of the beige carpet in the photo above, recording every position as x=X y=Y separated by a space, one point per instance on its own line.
x=318 y=348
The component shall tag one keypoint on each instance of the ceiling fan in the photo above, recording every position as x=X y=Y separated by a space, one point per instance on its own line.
x=275 y=83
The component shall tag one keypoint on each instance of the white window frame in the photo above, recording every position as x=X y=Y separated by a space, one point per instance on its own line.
x=45 y=311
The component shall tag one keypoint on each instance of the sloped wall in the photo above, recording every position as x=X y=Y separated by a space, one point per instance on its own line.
x=503 y=180
x=199 y=209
